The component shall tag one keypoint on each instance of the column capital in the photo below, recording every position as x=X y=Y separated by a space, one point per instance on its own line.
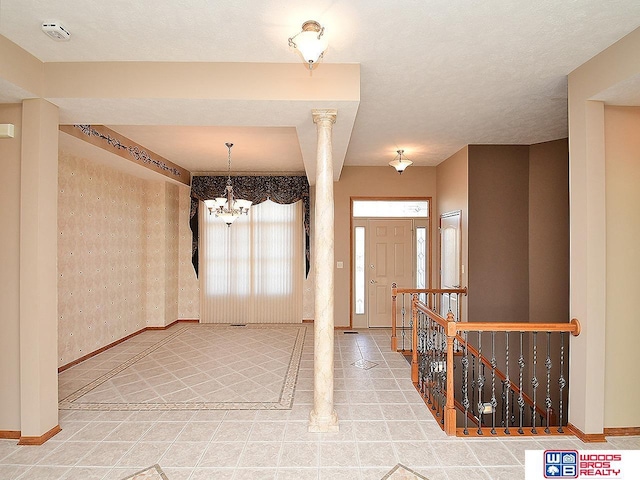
x=324 y=115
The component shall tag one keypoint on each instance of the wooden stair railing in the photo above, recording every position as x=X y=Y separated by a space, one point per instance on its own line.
x=433 y=301
x=456 y=334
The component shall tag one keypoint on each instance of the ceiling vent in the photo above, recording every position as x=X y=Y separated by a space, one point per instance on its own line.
x=56 y=31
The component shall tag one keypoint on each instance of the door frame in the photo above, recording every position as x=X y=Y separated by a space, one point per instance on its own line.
x=352 y=241
x=453 y=213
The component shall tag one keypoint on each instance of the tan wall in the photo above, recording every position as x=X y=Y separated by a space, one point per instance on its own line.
x=21 y=69
x=610 y=70
x=453 y=194
x=171 y=265
x=124 y=256
x=162 y=263
x=498 y=270
x=38 y=268
x=370 y=182
x=549 y=232
x=622 y=154
x=10 y=271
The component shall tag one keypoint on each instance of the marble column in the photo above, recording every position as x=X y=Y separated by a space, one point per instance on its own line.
x=323 y=417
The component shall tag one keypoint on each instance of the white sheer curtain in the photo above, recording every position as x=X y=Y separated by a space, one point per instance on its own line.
x=252 y=271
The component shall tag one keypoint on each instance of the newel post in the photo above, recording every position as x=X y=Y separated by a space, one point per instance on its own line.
x=414 y=338
x=450 y=408
x=394 y=314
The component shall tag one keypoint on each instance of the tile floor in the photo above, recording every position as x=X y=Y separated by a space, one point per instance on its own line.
x=383 y=422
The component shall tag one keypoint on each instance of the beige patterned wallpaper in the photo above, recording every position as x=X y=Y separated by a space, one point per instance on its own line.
x=120 y=256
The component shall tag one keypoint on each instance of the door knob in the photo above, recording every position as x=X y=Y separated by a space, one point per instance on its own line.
x=372 y=282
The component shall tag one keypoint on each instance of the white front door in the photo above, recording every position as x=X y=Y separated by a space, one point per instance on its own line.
x=390 y=260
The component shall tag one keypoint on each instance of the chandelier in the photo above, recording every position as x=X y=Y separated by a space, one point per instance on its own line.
x=400 y=162
x=228 y=208
x=310 y=42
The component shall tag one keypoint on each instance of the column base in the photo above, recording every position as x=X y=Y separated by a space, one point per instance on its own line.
x=323 y=424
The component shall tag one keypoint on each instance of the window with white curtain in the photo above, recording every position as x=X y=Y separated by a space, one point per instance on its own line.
x=252 y=271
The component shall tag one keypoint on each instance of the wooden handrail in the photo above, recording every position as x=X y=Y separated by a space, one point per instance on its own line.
x=573 y=327
x=462 y=291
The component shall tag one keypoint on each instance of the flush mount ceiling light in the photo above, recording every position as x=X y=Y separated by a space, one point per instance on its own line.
x=56 y=31
x=400 y=162
x=228 y=208
x=310 y=42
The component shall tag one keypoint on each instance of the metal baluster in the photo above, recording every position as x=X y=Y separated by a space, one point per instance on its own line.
x=437 y=373
x=427 y=360
x=561 y=381
x=547 y=400
x=436 y=366
x=432 y=356
x=443 y=369
x=473 y=381
x=520 y=399
x=421 y=355
x=465 y=382
x=434 y=361
x=494 y=402
x=427 y=325
x=534 y=383
x=480 y=384
x=507 y=382
x=503 y=394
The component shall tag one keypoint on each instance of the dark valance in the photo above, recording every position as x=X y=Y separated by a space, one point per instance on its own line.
x=278 y=189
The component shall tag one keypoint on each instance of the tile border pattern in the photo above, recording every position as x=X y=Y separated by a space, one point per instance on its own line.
x=286 y=394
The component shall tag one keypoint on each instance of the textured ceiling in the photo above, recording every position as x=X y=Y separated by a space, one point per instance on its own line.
x=435 y=75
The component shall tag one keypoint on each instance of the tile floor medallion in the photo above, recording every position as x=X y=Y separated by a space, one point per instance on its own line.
x=152 y=473
x=400 y=472
x=194 y=369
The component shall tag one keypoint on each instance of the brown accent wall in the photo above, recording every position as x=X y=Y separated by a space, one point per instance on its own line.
x=10 y=272
x=370 y=182
x=549 y=231
x=498 y=270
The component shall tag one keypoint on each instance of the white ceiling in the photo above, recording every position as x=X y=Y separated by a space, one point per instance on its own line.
x=435 y=75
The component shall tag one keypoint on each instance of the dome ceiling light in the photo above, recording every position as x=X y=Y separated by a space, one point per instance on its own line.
x=400 y=162
x=310 y=42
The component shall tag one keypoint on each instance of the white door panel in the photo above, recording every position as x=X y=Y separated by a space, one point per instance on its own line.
x=390 y=261
x=450 y=253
